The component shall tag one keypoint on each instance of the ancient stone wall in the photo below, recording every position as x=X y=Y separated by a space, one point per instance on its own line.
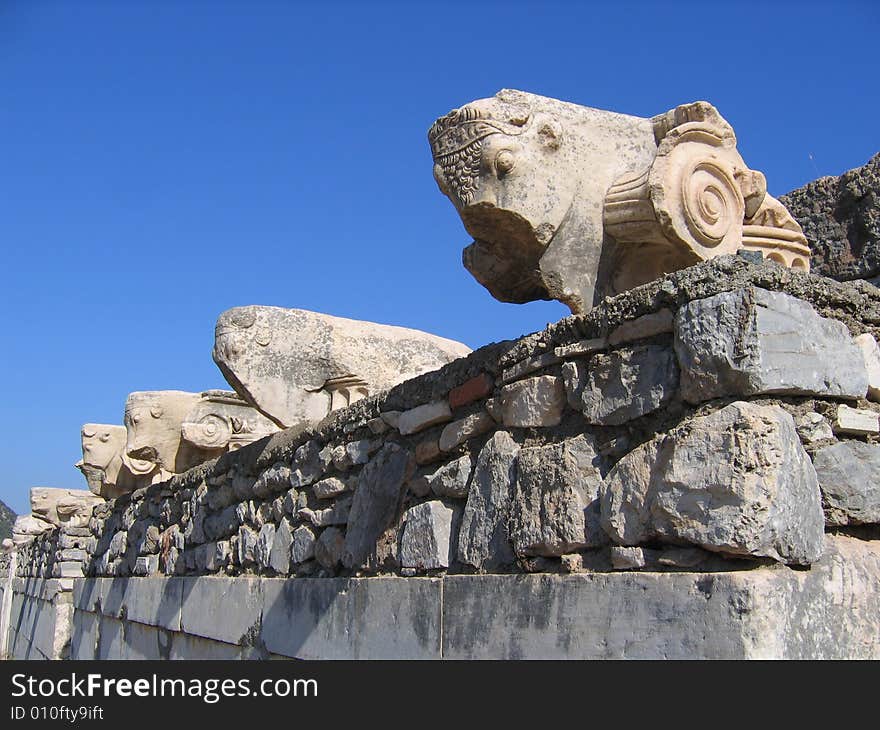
x=711 y=433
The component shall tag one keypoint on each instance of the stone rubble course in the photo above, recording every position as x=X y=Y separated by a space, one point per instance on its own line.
x=737 y=481
x=753 y=341
x=296 y=366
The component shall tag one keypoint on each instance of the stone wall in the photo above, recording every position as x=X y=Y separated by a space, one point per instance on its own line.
x=699 y=451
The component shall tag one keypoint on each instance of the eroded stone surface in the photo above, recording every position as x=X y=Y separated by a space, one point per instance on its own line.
x=753 y=341
x=622 y=385
x=567 y=202
x=555 y=507
x=297 y=366
x=483 y=540
x=849 y=477
x=736 y=481
x=535 y=402
x=426 y=536
x=375 y=501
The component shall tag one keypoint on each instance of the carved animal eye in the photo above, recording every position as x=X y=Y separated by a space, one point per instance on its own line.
x=156 y=412
x=504 y=162
x=105 y=437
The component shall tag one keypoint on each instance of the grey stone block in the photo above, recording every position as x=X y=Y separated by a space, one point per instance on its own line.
x=622 y=385
x=828 y=612
x=427 y=531
x=849 y=477
x=224 y=609
x=483 y=539
x=84 y=635
x=555 y=508
x=736 y=481
x=358 y=618
x=753 y=341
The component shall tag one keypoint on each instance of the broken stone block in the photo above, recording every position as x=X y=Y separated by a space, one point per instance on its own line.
x=263 y=548
x=376 y=501
x=427 y=451
x=648 y=325
x=483 y=539
x=424 y=416
x=426 y=536
x=475 y=389
x=338 y=514
x=330 y=487
x=452 y=479
x=753 y=341
x=856 y=421
x=622 y=385
x=329 y=547
x=555 y=507
x=627 y=558
x=297 y=366
x=531 y=365
x=307 y=465
x=279 y=555
x=457 y=432
x=736 y=481
x=533 y=402
x=303 y=547
x=849 y=477
x=247 y=543
x=813 y=427
x=581 y=348
x=871 y=355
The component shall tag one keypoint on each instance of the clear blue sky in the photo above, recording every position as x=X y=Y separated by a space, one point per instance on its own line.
x=163 y=161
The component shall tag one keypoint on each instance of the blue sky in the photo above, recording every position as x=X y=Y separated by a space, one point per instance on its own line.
x=163 y=161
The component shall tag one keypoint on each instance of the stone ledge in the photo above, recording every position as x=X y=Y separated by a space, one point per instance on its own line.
x=827 y=611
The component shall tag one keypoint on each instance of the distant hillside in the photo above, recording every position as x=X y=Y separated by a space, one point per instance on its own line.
x=7 y=517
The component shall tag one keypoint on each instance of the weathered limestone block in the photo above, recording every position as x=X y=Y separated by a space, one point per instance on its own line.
x=303 y=547
x=457 y=432
x=622 y=385
x=427 y=532
x=452 y=479
x=483 y=540
x=571 y=203
x=423 y=416
x=330 y=547
x=849 y=477
x=812 y=427
x=555 y=507
x=871 y=354
x=856 y=421
x=27 y=527
x=753 y=341
x=376 y=501
x=63 y=506
x=223 y=421
x=296 y=366
x=154 y=420
x=103 y=449
x=533 y=402
x=736 y=481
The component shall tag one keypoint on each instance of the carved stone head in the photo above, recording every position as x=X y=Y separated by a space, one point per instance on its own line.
x=153 y=423
x=103 y=447
x=528 y=175
x=572 y=203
